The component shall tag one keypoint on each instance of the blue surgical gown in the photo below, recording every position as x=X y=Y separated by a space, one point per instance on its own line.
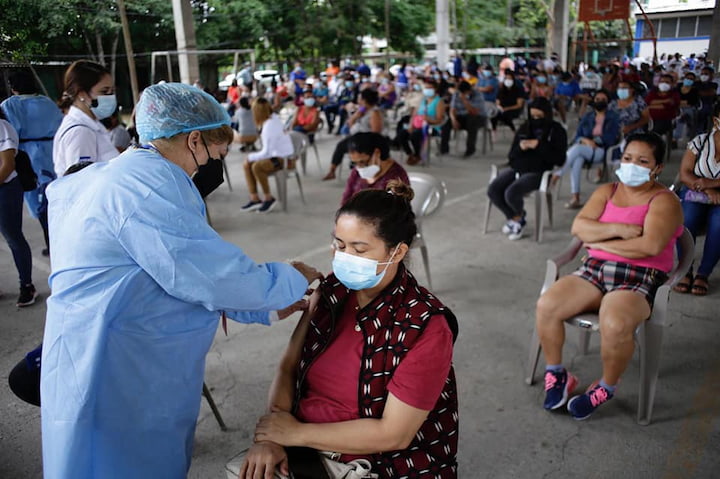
x=138 y=280
x=36 y=119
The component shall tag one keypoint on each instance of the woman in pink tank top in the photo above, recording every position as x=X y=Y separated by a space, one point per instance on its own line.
x=630 y=229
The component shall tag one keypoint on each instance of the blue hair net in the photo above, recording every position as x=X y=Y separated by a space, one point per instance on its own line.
x=167 y=109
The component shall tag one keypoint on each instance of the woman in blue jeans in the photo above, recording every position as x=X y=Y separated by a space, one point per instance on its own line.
x=598 y=130
x=11 y=203
x=538 y=146
x=700 y=175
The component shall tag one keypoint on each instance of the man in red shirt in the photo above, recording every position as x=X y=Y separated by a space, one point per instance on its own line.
x=664 y=105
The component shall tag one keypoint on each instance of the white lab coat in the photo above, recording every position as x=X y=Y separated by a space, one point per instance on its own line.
x=81 y=138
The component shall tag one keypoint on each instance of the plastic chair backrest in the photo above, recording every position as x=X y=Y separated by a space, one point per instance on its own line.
x=429 y=194
x=299 y=141
x=687 y=247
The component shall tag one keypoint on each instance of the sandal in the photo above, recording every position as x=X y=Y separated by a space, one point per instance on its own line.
x=699 y=289
x=683 y=286
x=573 y=205
x=329 y=176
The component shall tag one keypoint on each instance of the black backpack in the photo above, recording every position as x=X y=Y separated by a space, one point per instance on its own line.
x=23 y=167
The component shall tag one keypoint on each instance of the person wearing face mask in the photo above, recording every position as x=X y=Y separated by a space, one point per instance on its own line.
x=88 y=97
x=510 y=101
x=467 y=112
x=276 y=145
x=426 y=121
x=664 y=105
x=488 y=85
x=566 y=92
x=707 y=90
x=135 y=308
x=700 y=194
x=386 y=91
x=538 y=146
x=347 y=93
x=540 y=87
x=630 y=229
x=307 y=116
x=374 y=168
x=689 y=104
x=598 y=130
x=631 y=109
x=371 y=328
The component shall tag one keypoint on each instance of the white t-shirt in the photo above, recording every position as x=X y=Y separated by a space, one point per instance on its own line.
x=275 y=142
x=8 y=141
x=81 y=138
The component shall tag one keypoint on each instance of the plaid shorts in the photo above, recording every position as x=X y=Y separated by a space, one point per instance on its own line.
x=613 y=276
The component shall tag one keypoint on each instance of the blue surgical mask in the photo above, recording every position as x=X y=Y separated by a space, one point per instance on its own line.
x=358 y=273
x=541 y=80
x=688 y=82
x=309 y=101
x=349 y=84
x=623 y=93
x=106 y=105
x=417 y=87
x=487 y=73
x=429 y=92
x=633 y=175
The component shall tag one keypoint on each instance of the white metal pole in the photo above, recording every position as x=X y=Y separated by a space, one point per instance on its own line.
x=185 y=37
x=442 y=32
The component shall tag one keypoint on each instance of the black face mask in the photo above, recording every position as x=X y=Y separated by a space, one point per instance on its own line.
x=600 y=105
x=208 y=176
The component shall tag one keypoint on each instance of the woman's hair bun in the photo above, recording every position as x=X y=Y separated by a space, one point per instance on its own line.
x=400 y=189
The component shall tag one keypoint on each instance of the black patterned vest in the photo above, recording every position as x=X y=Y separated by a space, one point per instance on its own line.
x=391 y=324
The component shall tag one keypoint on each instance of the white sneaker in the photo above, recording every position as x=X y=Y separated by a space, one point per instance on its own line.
x=507 y=227
x=516 y=230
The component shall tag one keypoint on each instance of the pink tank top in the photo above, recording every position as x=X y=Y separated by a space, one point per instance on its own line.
x=635 y=215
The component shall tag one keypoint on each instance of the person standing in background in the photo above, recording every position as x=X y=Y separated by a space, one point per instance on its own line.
x=36 y=119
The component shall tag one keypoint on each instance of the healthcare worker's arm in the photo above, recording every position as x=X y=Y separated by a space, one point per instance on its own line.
x=168 y=237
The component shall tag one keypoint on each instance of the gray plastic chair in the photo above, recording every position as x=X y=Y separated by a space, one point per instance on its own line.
x=648 y=336
x=429 y=197
x=543 y=200
x=299 y=141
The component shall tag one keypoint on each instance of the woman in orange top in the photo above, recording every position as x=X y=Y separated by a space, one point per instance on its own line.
x=307 y=116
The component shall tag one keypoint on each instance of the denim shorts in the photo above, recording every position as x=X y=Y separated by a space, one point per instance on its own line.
x=610 y=276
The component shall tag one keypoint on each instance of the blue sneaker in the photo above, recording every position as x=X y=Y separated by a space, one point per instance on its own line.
x=251 y=205
x=558 y=386
x=582 y=406
x=267 y=206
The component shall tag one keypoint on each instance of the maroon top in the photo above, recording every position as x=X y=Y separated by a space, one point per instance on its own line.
x=355 y=183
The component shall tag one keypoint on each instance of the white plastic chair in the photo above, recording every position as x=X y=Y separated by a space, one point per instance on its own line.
x=296 y=137
x=543 y=200
x=429 y=197
x=299 y=141
x=648 y=335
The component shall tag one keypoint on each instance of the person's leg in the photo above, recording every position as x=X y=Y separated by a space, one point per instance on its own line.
x=662 y=126
x=445 y=137
x=339 y=153
x=261 y=170
x=496 y=191
x=251 y=181
x=711 y=250
x=621 y=312
x=342 y=113
x=562 y=102
x=416 y=139
x=11 y=204
x=515 y=193
x=569 y=296
x=471 y=123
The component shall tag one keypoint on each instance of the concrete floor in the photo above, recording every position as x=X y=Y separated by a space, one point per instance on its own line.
x=491 y=284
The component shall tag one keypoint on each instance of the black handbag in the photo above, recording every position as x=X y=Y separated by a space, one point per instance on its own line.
x=25 y=172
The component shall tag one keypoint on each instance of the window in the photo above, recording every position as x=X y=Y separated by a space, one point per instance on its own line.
x=704 y=25
x=668 y=28
x=647 y=32
x=687 y=26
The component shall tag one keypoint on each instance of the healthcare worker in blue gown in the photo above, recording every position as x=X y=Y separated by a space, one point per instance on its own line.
x=138 y=283
x=36 y=118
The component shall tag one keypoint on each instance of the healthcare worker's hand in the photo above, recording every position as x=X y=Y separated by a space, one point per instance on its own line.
x=301 y=305
x=279 y=426
x=262 y=459
x=310 y=273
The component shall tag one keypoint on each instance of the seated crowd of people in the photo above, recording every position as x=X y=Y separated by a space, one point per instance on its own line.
x=367 y=376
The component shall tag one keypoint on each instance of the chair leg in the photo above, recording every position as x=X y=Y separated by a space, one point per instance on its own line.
x=213 y=407
x=317 y=156
x=488 y=207
x=549 y=206
x=227 y=175
x=649 y=341
x=584 y=340
x=302 y=195
x=538 y=216
x=534 y=358
x=281 y=183
x=426 y=263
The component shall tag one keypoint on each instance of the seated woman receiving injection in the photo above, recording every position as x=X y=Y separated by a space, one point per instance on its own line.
x=630 y=229
x=368 y=373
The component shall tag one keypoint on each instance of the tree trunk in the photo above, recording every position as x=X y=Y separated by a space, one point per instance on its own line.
x=113 y=51
x=714 y=47
x=100 y=50
x=549 y=27
x=86 y=37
